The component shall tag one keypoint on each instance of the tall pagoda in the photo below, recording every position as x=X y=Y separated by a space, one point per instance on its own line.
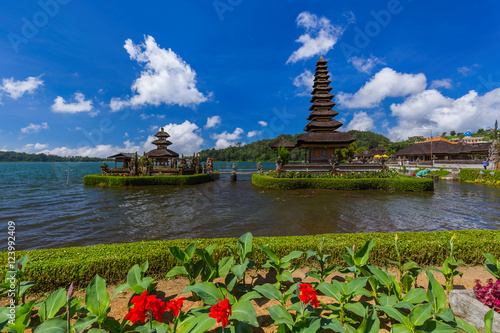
x=322 y=137
x=162 y=154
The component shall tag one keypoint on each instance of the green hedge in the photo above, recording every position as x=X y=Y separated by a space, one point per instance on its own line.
x=145 y=180
x=400 y=183
x=56 y=268
x=473 y=175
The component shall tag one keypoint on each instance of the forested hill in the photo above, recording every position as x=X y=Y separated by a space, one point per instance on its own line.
x=12 y=156
x=261 y=151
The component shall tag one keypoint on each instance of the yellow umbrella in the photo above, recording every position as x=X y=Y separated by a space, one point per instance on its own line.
x=385 y=156
x=377 y=156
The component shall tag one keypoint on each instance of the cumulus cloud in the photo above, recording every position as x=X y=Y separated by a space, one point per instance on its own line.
x=16 y=89
x=34 y=128
x=251 y=134
x=466 y=71
x=305 y=82
x=213 y=122
x=386 y=83
x=34 y=147
x=80 y=105
x=430 y=110
x=320 y=36
x=444 y=83
x=166 y=78
x=361 y=121
x=262 y=123
x=226 y=139
x=185 y=137
x=145 y=116
x=365 y=65
x=95 y=151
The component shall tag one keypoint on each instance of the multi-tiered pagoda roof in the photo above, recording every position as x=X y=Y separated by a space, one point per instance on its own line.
x=162 y=144
x=321 y=130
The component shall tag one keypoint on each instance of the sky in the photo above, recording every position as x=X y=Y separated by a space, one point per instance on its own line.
x=94 y=78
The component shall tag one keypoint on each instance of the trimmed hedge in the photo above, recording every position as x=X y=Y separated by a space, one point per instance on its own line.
x=473 y=175
x=56 y=268
x=101 y=180
x=400 y=183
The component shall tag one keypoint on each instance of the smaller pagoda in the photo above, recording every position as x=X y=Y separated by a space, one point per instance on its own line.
x=162 y=155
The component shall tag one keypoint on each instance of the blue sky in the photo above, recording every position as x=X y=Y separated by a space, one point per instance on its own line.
x=94 y=78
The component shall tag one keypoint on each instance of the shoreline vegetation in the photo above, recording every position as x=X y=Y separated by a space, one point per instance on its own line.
x=58 y=267
x=111 y=181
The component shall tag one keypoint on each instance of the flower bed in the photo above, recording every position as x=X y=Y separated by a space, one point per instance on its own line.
x=489 y=177
x=102 y=180
x=368 y=299
x=399 y=183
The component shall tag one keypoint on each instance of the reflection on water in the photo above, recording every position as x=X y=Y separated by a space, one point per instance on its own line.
x=50 y=214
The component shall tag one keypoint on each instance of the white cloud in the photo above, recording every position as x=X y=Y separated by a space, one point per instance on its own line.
x=34 y=128
x=213 y=122
x=430 y=110
x=320 y=36
x=262 y=123
x=97 y=151
x=34 y=147
x=386 y=83
x=166 y=78
x=466 y=71
x=226 y=139
x=80 y=105
x=361 y=121
x=251 y=134
x=444 y=83
x=304 y=81
x=365 y=65
x=185 y=137
x=145 y=116
x=16 y=89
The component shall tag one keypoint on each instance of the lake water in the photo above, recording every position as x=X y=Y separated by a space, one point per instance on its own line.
x=49 y=214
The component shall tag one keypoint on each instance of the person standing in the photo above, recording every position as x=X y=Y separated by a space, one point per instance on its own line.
x=485 y=164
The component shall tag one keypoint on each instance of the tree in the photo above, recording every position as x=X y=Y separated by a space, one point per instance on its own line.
x=443 y=134
x=453 y=133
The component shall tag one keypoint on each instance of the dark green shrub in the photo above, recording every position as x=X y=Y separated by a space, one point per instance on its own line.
x=101 y=180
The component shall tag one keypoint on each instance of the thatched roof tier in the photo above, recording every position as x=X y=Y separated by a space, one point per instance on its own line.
x=322 y=114
x=323 y=125
x=162 y=142
x=155 y=153
x=122 y=155
x=443 y=147
x=321 y=61
x=325 y=138
x=162 y=134
x=317 y=105
x=320 y=90
x=321 y=96
x=282 y=143
x=321 y=83
x=321 y=72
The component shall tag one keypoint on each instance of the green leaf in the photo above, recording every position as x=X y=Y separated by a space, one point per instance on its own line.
x=25 y=285
x=225 y=265
x=356 y=284
x=415 y=296
x=465 y=326
x=399 y=328
x=420 y=314
x=23 y=317
x=333 y=290
x=285 y=276
x=245 y=245
x=387 y=300
x=144 y=267
x=52 y=304
x=488 y=321
x=54 y=325
x=370 y=324
x=278 y=312
x=446 y=314
x=249 y=296
x=120 y=289
x=436 y=327
x=190 y=250
x=381 y=276
x=332 y=324
x=395 y=314
x=269 y=291
x=97 y=298
x=207 y=291
x=82 y=323
x=177 y=270
x=356 y=308
x=409 y=265
x=435 y=292
x=270 y=253
x=361 y=256
x=96 y=330
x=134 y=275
x=292 y=255
x=244 y=312
x=197 y=324
x=178 y=254
x=239 y=270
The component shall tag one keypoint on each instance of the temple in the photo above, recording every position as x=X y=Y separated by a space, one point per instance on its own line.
x=162 y=155
x=322 y=137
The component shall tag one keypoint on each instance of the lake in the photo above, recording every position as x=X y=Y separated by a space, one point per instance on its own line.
x=50 y=214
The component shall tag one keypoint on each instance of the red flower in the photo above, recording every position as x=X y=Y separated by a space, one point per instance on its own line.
x=175 y=305
x=308 y=294
x=144 y=303
x=221 y=311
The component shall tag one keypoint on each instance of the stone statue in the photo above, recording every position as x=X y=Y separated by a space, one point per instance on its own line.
x=104 y=168
x=493 y=156
x=279 y=165
x=135 y=165
x=259 y=168
x=147 y=165
x=233 y=173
